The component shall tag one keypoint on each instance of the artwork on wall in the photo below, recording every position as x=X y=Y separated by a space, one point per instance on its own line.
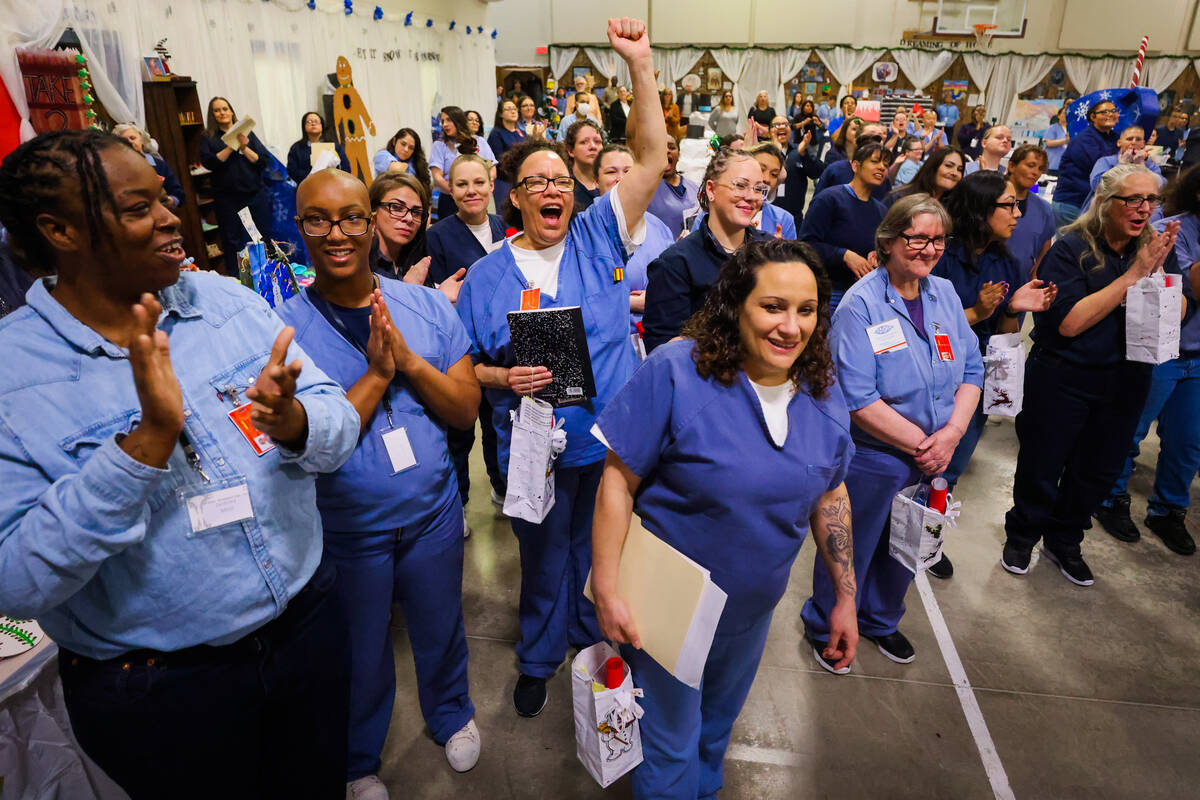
x=580 y=72
x=56 y=89
x=714 y=79
x=1057 y=77
x=813 y=71
x=352 y=121
x=810 y=89
x=957 y=89
x=884 y=71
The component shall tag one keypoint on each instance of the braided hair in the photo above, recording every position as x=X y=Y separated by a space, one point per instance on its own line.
x=722 y=160
x=40 y=175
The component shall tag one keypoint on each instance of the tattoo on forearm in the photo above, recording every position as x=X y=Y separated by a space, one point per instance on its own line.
x=839 y=542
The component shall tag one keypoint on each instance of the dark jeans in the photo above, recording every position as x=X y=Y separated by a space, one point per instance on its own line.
x=1074 y=431
x=460 y=443
x=263 y=717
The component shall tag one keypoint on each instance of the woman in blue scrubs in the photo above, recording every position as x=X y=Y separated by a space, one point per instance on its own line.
x=612 y=164
x=734 y=440
x=455 y=243
x=560 y=259
x=392 y=517
x=909 y=368
x=506 y=133
x=990 y=284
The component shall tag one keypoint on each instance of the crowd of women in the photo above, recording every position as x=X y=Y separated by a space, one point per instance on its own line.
x=222 y=593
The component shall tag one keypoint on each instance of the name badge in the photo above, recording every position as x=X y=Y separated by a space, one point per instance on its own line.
x=942 y=342
x=399 y=450
x=531 y=299
x=212 y=505
x=259 y=441
x=887 y=337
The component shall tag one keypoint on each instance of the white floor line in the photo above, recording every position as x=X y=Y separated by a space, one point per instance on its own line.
x=763 y=755
x=966 y=696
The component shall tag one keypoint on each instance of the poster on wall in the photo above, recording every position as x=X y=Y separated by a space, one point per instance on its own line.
x=868 y=110
x=957 y=89
x=813 y=71
x=56 y=95
x=352 y=121
x=810 y=89
x=714 y=78
x=884 y=72
x=1031 y=118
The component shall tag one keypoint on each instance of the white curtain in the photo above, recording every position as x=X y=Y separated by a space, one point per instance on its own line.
x=846 y=64
x=1093 y=74
x=1013 y=74
x=924 y=67
x=24 y=24
x=674 y=64
x=1160 y=73
x=760 y=73
x=560 y=60
x=732 y=63
x=980 y=68
x=608 y=64
x=790 y=62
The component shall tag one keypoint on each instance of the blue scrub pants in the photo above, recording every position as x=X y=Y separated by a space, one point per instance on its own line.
x=556 y=556
x=966 y=446
x=685 y=732
x=874 y=478
x=1174 y=401
x=420 y=567
x=1064 y=213
x=1074 y=431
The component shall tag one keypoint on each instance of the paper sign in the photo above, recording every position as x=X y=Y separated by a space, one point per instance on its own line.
x=248 y=222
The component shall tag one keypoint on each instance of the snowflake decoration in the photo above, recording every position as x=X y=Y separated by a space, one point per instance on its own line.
x=1081 y=112
x=1105 y=95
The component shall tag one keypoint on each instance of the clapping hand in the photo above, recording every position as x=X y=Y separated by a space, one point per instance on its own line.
x=1154 y=253
x=1033 y=296
x=158 y=392
x=990 y=296
x=274 y=408
x=418 y=272
x=380 y=359
x=452 y=285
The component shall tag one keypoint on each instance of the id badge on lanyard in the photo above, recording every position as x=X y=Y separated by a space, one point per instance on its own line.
x=941 y=341
x=396 y=444
x=212 y=503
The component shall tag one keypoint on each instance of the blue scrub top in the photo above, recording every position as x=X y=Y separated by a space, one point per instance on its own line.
x=384 y=159
x=715 y=486
x=658 y=239
x=1034 y=229
x=588 y=277
x=1054 y=154
x=1187 y=252
x=364 y=495
x=671 y=203
x=913 y=380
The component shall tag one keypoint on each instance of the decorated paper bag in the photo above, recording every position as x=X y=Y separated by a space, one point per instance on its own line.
x=1004 y=375
x=916 y=530
x=607 y=738
x=536 y=441
x=1152 y=318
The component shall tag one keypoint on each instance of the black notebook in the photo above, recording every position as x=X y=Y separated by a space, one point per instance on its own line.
x=554 y=338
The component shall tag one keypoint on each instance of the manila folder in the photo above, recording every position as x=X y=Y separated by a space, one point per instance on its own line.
x=673 y=600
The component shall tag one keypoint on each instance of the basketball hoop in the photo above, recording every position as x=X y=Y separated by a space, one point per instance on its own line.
x=983 y=34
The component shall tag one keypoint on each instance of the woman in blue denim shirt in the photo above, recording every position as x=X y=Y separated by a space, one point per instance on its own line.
x=173 y=555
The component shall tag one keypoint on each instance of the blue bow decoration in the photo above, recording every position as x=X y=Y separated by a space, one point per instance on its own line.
x=312 y=5
x=408 y=18
x=493 y=33
x=349 y=4
x=451 y=24
x=428 y=23
x=378 y=15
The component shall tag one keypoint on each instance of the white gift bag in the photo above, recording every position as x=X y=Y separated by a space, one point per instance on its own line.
x=537 y=439
x=1004 y=375
x=916 y=530
x=607 y=737
x=1152 y=318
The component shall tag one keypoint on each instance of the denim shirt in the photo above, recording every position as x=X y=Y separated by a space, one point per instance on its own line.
x=96 y=545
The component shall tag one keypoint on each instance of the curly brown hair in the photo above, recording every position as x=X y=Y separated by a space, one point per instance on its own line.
x=509 y=169
x=715 y=327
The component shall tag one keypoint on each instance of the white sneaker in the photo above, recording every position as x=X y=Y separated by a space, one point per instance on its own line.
x=367 y=788
x=466 y=526
x=462 y=751
x=497 y=500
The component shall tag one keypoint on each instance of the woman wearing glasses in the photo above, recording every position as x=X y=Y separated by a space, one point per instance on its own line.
x=1097 y=140
x=400 y=210
x=1082 y=397
x=392 y=516
x=841 y=220
x=731 y=196
x=562 y=259
x=909 y=368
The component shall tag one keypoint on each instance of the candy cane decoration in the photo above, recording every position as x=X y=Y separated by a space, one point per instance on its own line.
x=1137 y=65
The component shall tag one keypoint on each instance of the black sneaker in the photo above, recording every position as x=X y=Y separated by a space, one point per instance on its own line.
x=818 y=648
x=1172 y=530
x=895 y=646
x=1073 y=568
x=1117 y=522
x=942 y=569
x=1015 y=559
x=530 y=695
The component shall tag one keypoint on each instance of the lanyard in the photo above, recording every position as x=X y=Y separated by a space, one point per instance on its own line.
x=193 y=458
x=322 y=305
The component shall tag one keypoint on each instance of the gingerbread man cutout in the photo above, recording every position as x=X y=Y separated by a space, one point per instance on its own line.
x=350 y=116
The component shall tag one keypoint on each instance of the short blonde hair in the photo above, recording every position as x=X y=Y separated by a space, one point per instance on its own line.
x=471 y=158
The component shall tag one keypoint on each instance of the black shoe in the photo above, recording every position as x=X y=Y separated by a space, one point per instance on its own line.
x=942 y=569
x=1073 y=568
x=1117 y=522
x=1172 y=530
x=895 y=646
x=530 y=695
x=1015 y=559
x=826 y=664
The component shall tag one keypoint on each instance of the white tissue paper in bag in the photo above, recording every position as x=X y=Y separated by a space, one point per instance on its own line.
x=537 y=439
x=607 y=736
x=1004 y=375
x=1152 y=320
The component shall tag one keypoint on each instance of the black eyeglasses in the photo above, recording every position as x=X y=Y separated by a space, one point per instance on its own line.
x=536 y=184
x=400 y=210
x=353 y=225
x=1135 y=201
x=918 y=242
x=1008 y=206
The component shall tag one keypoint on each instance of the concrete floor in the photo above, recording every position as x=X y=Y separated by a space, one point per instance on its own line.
x=1085 y=692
